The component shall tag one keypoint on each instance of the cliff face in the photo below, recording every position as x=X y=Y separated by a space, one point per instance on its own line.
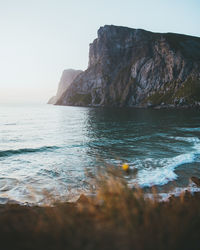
x=133 y=67
x=67 y=78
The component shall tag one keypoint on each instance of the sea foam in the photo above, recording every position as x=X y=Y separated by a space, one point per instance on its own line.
x=151 y=175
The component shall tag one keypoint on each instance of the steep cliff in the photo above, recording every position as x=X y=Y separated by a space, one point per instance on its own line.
x=134 y=67
x=67 y=78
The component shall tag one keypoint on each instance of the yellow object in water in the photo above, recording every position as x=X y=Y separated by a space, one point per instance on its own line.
x=125 y=167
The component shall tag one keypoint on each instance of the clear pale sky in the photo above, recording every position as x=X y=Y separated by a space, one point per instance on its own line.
x=41 y=38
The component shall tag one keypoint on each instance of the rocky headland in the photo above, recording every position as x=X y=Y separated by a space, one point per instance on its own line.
x=66 y=79
x=138 y=68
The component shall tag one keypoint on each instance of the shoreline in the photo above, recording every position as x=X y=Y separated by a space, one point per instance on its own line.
x=151 y=107
x=162 y=194
x=117 y=219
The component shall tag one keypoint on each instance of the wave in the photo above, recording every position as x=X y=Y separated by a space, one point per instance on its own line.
x=161 y=171
x=186 y=139
x=10 y=124
x=6 y=153
x=162 y=175
x=189 y=129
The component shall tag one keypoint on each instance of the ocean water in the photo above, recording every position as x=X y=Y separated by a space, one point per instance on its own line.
x=49 y=151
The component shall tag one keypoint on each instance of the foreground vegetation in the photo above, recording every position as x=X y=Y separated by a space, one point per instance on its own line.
x=117 y=218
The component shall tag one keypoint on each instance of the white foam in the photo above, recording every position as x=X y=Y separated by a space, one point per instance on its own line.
x=149 y=176
x=187 y=139
x=158 y=176
x=192 y=188
x=160 y=172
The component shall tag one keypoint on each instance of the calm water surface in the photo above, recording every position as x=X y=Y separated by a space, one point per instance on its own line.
x=45 y=148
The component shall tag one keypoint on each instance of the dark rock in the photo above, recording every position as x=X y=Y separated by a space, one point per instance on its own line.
x=83 y=199
x=196 y=180
x=134 y=67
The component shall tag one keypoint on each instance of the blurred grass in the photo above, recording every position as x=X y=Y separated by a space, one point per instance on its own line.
x=116 y=218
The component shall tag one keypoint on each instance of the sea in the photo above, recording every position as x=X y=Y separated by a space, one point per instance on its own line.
x=50 y=152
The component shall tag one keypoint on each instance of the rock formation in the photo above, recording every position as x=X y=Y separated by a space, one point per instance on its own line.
x=52 y=100
x=196 y=180
x=134 y=67
x=67 y=78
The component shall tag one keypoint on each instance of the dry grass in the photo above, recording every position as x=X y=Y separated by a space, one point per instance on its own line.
x=118 y=218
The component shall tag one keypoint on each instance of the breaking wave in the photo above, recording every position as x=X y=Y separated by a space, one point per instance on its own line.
x=161 y=171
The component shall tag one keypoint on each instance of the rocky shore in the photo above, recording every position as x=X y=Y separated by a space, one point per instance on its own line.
x=118 y=218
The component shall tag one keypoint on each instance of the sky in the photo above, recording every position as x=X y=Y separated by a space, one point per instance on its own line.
x=41 y=38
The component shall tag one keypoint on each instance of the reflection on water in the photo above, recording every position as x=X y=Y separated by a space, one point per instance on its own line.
x=51 y=148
